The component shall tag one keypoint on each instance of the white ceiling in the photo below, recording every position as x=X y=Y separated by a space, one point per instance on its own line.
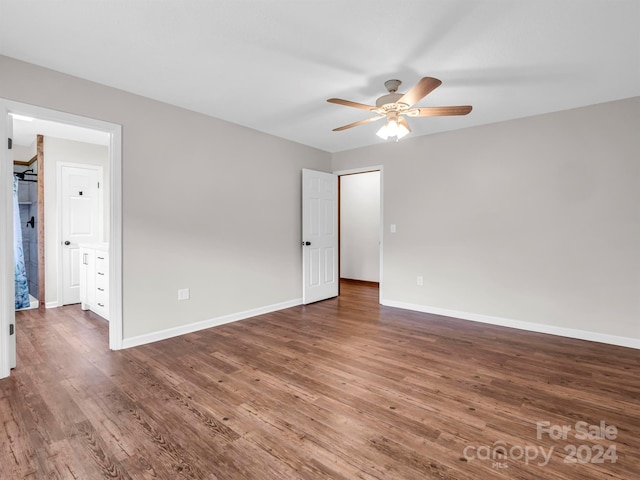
x=271 y=65
x=25 y=131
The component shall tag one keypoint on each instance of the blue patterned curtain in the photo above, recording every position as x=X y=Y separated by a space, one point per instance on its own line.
x=22 y=288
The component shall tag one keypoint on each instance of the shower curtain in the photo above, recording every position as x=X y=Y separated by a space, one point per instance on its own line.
x=22 y=288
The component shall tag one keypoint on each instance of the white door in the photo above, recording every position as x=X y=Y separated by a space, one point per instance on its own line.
x=319 y=236
x=80 y=222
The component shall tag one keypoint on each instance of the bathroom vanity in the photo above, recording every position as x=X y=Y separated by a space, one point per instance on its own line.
x=94 y=278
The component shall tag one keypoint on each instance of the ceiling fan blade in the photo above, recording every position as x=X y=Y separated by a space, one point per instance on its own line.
x=355 y=124
x=403 y=121
x=424 y=87
x=348 y=103
x=439 y=111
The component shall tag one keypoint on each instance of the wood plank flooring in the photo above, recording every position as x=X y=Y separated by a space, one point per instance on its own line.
x=341 y=389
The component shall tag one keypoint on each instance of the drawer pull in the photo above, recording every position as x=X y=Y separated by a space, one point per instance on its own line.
x=100 y=273
x=100 y=258
x=101 y=289
x=100 y=304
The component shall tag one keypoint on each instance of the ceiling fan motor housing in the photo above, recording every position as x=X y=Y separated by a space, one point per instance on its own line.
x=387 y=99
x=389 y=103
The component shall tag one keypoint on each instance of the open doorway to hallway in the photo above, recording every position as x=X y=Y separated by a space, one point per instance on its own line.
x=360 y=226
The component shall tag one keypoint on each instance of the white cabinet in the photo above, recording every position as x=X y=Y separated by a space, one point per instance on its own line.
x=94 y=278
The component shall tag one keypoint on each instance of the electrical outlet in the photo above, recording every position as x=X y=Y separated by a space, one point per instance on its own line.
x=183 y=294
x=420 y=280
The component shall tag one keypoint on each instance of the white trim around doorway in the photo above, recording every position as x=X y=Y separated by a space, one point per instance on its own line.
x=376 y=168
x=7 y=313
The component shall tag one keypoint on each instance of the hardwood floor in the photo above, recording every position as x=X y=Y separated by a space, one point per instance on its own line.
x=341 y=389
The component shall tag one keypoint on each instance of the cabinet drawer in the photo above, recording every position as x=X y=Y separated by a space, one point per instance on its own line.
x=101 y=305
x=102 y=294
x=102 y=281
x=102 y=264
x=102 y=298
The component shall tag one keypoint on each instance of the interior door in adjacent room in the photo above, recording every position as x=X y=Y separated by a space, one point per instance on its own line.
x=319 y=236
x=80 y=221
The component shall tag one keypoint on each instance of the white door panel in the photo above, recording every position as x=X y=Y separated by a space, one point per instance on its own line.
x=80 y=221
x=319 y=235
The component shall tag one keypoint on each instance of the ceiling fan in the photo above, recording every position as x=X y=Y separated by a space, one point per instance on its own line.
x=394 y=106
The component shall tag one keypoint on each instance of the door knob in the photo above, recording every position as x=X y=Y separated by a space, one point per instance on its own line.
x=67 y=242
x=306 y=243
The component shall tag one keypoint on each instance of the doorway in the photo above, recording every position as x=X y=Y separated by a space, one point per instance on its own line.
x=360 y=226
x=8 y=109
x=321 y=230
x=80 y=221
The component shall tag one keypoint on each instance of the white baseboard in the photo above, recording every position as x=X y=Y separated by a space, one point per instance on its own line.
x=204 y=324
x=53 y=304
x=520 y=325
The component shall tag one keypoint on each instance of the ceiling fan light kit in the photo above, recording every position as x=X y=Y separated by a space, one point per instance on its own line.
x=395 y=127
x=393 y=106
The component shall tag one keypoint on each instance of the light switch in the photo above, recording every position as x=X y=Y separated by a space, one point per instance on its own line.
x=393 y=228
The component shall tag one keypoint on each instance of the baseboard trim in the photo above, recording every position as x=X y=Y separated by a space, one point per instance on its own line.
x=53 y=304
x=368 y=283
x=520 y=325
x=202 y=325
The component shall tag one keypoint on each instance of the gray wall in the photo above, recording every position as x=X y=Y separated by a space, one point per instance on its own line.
x=207 y=205
x=534 y=220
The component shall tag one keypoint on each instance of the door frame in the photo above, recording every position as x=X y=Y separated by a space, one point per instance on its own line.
x=7 y=274
x=59 y=239
x=7 y=292
x=352 y=171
